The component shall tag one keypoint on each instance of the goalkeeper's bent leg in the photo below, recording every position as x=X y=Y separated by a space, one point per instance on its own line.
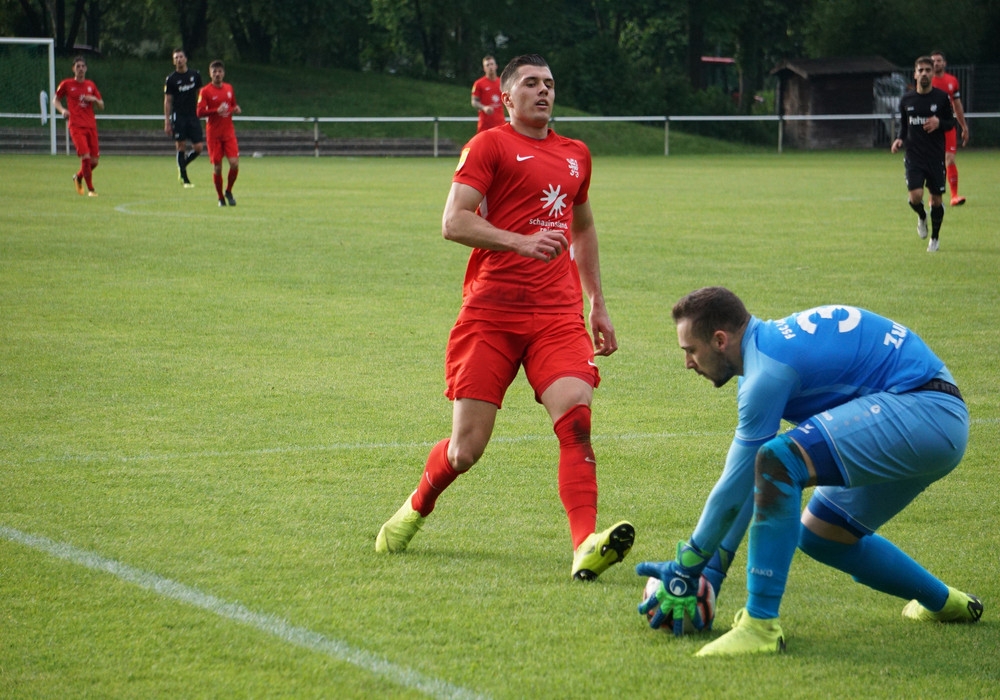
x=876 y=562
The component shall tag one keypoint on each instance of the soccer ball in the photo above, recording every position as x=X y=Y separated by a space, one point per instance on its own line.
x=705 y=604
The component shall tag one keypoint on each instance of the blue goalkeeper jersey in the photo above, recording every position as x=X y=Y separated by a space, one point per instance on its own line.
x=797 y=367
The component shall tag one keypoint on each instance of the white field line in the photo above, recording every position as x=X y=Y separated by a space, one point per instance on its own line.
x=334 y=447
x=358 y=446
x=269 y=624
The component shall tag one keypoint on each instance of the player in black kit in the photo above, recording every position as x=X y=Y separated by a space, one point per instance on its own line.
x=924 y=117
x=180 y=120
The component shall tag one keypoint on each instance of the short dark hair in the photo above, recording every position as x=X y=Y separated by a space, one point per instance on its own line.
x=924 y=60
x=938 y=52
x=215 y=63
x=510 y=70
x=711 y=309
x=79 y=59
x=176 y=51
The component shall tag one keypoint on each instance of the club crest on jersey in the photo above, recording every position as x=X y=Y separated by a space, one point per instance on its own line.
x=574 y=167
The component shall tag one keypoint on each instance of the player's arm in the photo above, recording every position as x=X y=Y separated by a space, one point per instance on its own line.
x=901 y=136
x=585 y=252
x=460 y=223
x=58 y=105
x=202 y=109
x=960 y=118
x=168 y=109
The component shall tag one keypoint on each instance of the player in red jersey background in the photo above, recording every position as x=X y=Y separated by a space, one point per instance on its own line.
x=81 y=96
x=217 y=101
x=949 y=83
x=520 y=199
x=486 y=96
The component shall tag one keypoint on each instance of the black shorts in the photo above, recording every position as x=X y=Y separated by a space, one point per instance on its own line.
x=918 y=173
x=187 y=129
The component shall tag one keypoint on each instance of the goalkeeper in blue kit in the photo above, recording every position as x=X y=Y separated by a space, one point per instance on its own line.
x=878 y=419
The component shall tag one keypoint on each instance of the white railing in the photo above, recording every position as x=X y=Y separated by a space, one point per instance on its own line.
x=436 y=121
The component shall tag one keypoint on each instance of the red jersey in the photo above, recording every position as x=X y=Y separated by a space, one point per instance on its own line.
x=81 y=114
x=210 y=98
x=529 y=185
x=488 y=93
x=948 y=83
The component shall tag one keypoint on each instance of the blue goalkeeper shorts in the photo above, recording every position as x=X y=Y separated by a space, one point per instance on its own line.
x=887 y=448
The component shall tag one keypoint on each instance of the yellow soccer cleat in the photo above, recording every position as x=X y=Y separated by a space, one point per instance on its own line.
x=78 y=184
x=748 y=636
x=960 y=607
x=602 y=549
x=398 y=530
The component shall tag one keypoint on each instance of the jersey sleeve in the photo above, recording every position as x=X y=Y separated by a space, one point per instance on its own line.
x=477 y=163
x=725 y=515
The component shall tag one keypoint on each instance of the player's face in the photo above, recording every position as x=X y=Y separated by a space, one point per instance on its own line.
x=531 y=96
x=706 y=357
x=217 y=73
x=923 y=74
x=80 y=70
x=180 y=61
x=939 y=63
x=490 y=68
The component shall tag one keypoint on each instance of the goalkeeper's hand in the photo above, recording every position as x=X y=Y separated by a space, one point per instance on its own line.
x=664 y=604
x=678 y=589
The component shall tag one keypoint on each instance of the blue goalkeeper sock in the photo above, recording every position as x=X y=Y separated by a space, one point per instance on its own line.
x=774 y=532
x=876 y=562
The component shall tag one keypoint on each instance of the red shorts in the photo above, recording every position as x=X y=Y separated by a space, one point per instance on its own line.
x=85 y=141
x=225 y=146
x=951 y=140
x=486 y=349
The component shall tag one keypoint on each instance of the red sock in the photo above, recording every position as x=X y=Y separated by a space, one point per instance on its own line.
x=953 y=179
x=85 y=171
x=577 y=472
x=217 y=179
x=438 y=475
x=233 y=172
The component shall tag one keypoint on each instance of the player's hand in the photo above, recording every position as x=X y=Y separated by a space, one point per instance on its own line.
x=896 y=145
x=679 y=586
x=965 y=137
x=664 y=604
x=931 y=124
x=603 y=333
x=544 y=245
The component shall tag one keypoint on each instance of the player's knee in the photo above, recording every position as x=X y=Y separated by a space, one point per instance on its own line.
x=819 y=548
x=463 y=454
x=779 y=466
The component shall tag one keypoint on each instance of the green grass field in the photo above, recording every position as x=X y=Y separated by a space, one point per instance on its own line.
x=206 y=414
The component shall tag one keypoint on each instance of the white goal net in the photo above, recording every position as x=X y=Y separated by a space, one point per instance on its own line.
x=28 y=77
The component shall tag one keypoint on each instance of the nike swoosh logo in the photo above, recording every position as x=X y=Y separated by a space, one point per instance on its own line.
x=523 y=158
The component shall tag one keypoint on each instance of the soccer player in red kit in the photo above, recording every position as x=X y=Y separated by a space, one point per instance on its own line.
x=519 y=199
x=949 y=83
x=81 y=96
x=217 y=101
x=486 y=97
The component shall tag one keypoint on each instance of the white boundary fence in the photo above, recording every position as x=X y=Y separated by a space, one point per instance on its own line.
x=436 y=121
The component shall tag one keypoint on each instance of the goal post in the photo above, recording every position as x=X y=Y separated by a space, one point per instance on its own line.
x=28 y=74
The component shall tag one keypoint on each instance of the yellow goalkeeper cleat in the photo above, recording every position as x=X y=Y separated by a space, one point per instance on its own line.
x=602 y=549
x=748 y=636
x=960 y=607
x=398 y=530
